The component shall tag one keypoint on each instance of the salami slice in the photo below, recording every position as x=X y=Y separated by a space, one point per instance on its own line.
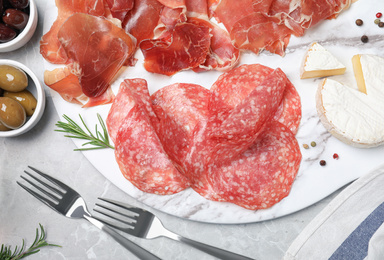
x=131 y=92
x=141 y=157
x=262 y=175
x=289 y=111
x=234 y=86
x=179 y=107
x=218 y=143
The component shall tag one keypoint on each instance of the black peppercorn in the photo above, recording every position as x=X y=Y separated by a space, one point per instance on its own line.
x=359 y=22
x=364 y=38
x=381 y=24
x=323 y=163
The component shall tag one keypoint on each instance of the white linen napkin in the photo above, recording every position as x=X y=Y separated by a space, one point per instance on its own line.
x=349 y=227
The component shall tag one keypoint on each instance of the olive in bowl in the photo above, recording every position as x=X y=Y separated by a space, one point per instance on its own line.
x=21 y=107
x=17 y=24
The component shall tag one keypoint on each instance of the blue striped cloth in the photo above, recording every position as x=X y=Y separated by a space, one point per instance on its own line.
x=351 y=227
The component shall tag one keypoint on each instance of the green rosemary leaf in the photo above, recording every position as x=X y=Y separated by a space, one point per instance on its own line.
x=6 y=253
x=99 y=140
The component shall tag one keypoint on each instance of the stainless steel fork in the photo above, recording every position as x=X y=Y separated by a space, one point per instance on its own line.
x=68 y=202
x=141 y=223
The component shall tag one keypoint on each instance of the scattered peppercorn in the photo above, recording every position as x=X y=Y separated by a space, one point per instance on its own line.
x=305 y=146
x=377 y=21
x=313 y=143
x=359 y=22
x=364 y=38
x=323 y=163
x=379 y=15
x=335 y=156
x=381 y=24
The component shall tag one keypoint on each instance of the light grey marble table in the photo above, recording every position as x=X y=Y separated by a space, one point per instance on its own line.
x=46 y=149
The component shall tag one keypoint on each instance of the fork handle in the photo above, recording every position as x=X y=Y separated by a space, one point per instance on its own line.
x=135 y=249
x=214 y=251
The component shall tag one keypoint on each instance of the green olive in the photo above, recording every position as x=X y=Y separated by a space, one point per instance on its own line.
x=12 y=114
x=25 y=98
x=12 y=79
x=4 y=128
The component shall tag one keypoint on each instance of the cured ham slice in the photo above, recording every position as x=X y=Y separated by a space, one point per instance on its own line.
x=257 y=32
x=120 y=8
x=267 y=25
x=68 y=86
x=263 y=174
x=222 y=55
x=96 y=51
x=173 y=4
x=142 y=20
x=185 y=48
x=138 y=150
x=50 y=47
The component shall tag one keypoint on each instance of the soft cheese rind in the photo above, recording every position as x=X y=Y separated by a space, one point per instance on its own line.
x=350 y=115
x=319 y=62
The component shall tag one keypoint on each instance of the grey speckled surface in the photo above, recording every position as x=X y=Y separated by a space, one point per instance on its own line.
x=43 y=148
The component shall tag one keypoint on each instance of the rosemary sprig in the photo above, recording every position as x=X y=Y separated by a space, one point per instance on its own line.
x=6 y=253
x=99 y=141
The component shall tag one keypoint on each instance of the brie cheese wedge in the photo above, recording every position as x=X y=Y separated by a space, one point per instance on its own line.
x=319 y=62
x=352 y=116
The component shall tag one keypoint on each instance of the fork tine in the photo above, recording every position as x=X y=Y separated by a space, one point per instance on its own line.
x=53 y=180
x=124 y=206
x=128 y=229
x=38 y=196
x=41 y=189
x=114 y=211
x=113 y=217
x=131 y=216
x=44 y=184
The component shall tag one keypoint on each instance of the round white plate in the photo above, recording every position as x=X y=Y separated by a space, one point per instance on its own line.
x=314 y=182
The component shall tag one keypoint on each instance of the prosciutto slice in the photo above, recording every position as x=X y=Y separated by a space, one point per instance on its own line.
x=50 y=46
x=68 y=86
x=120 y=8
x=142 y=20
x=186 y=47
x=96 y=51
x=267 y=25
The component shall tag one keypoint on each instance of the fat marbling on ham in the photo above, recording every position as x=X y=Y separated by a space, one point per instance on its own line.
x=220 y=141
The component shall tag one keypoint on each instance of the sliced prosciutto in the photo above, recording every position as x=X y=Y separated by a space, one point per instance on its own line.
x=185 y=48
x=96 y=50
x=222 y=55
x=50 y=46
x=267 y=25
x=68 y=86
x=138 y=150
x=120 y=8
x=142 y=20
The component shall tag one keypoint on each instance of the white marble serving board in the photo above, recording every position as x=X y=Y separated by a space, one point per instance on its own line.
x=313 y=182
